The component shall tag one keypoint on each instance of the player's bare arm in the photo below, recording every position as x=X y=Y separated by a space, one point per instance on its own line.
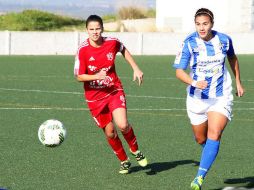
x=137 y=73
x=184 y=77
x=234 y=64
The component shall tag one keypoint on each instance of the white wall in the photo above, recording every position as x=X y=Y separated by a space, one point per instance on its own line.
x=4 y=42
x=66 y=43
x=43 y=43
x=229 y=16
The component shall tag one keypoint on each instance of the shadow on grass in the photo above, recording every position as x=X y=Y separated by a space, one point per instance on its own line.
x=154 y=168
x=248 y=181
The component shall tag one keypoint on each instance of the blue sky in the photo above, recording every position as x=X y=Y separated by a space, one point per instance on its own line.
x=87 y=2
x=78 y=8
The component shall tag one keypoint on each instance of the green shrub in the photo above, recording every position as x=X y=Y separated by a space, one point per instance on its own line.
x=35 y=20
x=151 y=13
x=135 y=13
x=109 y=18
x=131 y=13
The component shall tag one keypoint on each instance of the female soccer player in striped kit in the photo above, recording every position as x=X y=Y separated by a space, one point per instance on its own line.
x=209 y=91
x=95 y=67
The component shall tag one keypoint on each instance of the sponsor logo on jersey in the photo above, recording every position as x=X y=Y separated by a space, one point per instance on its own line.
x=99 y=84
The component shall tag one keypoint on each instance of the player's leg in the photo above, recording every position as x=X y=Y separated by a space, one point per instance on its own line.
x=103 y=118
x=216 y=124
x=116 y=144
x=117 y=106
x=114 y=141
x=218 y=115
x=120 y=118
x=199 y=121
x=196 y=110
x=200 y=134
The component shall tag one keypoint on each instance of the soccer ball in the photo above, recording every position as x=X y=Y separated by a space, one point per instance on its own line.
x=52 y=133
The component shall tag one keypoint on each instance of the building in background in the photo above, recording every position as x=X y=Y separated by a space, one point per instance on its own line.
x=230 y=16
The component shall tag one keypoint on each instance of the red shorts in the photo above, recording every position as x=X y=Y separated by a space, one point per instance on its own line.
x=101 y=110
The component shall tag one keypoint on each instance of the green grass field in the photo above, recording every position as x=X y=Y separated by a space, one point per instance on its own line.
x=36 y=88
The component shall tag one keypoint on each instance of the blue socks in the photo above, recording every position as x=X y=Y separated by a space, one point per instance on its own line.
x=209 y=154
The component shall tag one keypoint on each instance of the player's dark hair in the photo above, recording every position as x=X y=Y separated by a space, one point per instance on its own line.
x=204 y=11
x=95 y=18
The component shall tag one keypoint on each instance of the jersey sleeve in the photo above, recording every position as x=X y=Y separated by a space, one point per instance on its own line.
x=231 y=50
x=79 y=66
x=183 y=57
x=119 y=46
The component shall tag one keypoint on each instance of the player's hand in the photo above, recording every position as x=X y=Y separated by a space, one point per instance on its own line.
x=101 y=74
x=240 y=90
x=138 y=75
x=200 y=84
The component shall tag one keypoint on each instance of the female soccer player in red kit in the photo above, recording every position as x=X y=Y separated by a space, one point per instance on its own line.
x=95 y=67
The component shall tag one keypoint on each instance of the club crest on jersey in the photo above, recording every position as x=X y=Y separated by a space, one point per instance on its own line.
x=110 y=56
x=223 y=46
x=220 y=46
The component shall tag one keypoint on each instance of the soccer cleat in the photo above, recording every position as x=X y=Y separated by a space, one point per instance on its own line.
x=196 y=183
x=125 y=167
x=141 y=159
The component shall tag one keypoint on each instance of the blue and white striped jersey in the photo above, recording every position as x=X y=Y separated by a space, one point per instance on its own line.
x=207 y=62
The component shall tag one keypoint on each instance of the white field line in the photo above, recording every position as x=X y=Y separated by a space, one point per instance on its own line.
x=40 y=91
x=80 y=93
x=69 y=77
x=236 y=188
x=86 y=109
x=83 y=109
x=44 y=108
x=122 y=77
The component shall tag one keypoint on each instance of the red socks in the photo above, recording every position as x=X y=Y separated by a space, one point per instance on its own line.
x=117 y=147
x=131 y=140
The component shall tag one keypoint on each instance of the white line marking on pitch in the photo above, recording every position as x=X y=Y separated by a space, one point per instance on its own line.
x=80 y=93
x=86 y=109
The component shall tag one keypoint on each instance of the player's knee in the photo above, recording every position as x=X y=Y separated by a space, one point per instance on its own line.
x=110 y=135
x=124 y=127
x=215 y=135
x=200 y=140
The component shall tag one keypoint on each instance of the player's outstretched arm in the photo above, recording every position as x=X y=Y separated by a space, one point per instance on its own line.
x=137 y=73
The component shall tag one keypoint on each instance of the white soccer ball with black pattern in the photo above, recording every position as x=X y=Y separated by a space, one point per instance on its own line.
x=52 y=133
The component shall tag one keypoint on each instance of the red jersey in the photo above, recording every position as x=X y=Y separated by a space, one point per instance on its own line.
x=90 y=60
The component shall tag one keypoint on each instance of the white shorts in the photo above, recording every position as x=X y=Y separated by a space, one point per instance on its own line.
x=197 y=109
